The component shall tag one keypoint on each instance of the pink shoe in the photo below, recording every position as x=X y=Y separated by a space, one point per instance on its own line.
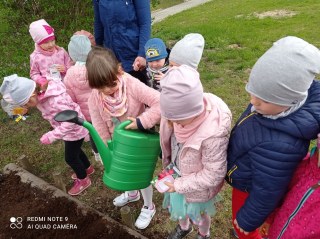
x=79 y=186
x=89 y=171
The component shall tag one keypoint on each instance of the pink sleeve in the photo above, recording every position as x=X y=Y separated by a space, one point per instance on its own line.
x=149 y=97
x=35 y=73
x=67 y=60
x=59 y=132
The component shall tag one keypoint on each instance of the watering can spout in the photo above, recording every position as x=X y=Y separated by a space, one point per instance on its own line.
x=72 y=117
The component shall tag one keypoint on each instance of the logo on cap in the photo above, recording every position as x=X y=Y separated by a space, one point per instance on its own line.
x=152 y=52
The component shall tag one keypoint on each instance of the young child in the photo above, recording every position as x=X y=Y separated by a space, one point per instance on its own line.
x=273 y=134
x=23 y=92
x=194 y=133
x=47 y=59
x=76 y=79
x=188 y=51
x=157 y=57
x=117 y=96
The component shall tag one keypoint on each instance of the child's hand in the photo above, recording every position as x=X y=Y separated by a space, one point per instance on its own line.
x=239 y=228
x=158 y=76
x=139 y=63
x=44 y=139
x=61 y=68
x=264 y=229
x=133 y=124
x=42 y=84
x=171 y=187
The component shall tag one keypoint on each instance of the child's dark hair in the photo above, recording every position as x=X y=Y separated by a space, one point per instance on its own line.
x=102 y=68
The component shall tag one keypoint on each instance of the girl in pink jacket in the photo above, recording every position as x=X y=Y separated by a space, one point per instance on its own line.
x=23 y=92
x=47 y=59
x=117 y=96
x=76 y=78
x=194 y=134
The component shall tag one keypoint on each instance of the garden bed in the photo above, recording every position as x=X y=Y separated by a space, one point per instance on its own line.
x=31 y=208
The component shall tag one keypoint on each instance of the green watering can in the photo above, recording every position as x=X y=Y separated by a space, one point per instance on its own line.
x=130 y=158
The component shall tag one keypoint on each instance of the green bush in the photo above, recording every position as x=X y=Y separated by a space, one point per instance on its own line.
x=65 y=16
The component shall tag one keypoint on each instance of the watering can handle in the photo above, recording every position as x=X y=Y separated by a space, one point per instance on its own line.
x=124 y=124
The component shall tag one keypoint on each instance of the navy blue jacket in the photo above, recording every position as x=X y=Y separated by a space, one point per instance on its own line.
x=264 y=153
x=124 y=26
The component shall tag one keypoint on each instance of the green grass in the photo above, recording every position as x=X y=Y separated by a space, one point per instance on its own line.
x=224 y=71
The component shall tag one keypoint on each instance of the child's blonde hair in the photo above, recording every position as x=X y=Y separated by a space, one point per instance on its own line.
x=102 y=68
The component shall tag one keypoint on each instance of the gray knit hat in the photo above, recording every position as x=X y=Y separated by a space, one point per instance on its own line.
x=188 y=51
x=17 y=90
x=284 y=73
x=79 y=47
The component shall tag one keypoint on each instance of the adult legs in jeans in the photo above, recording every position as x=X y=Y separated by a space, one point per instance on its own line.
x=238 y=200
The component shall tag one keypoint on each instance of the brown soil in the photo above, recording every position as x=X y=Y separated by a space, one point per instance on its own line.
x=23 y=202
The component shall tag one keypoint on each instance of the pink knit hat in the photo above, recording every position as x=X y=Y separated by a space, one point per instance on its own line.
x=41 y=32
x=182 y=93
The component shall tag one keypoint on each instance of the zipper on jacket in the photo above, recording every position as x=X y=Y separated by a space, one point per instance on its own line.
x=234 y=167
x=248 y=116
x=242 y=120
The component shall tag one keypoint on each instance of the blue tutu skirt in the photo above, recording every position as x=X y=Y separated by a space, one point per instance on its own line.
x=180 y=209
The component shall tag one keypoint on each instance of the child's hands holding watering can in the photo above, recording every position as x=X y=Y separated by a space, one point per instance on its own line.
x=133 y=124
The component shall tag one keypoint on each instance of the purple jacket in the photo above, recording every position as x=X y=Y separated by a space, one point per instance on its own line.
x=138 y=95
x=202 y=160
x=54 y=100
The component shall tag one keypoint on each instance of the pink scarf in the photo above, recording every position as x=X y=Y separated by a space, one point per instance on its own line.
x=183 y=133
x=116 y=105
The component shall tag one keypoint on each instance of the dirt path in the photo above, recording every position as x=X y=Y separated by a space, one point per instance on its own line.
x=161 y=14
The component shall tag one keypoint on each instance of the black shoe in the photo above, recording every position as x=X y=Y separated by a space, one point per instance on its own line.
x=178 y=233
x=202 y=237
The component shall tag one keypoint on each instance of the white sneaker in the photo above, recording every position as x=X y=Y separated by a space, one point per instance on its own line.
x=97 y=157
x=145 y=217
x=124 y=199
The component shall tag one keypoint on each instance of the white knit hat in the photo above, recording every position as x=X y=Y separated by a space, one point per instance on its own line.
x=79 y=47
x=182 y=93
x=17 y=90
x=188 y=51
x=284 y=73
x=41 y=31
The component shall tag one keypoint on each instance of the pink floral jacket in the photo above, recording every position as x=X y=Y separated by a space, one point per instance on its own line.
x=54 y=100
x=138 y=95
x=202 y=160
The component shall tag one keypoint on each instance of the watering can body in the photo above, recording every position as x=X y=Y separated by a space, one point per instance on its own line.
x=130 y=158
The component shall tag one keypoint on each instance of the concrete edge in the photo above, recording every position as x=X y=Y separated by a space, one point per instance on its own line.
x=34 y=181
